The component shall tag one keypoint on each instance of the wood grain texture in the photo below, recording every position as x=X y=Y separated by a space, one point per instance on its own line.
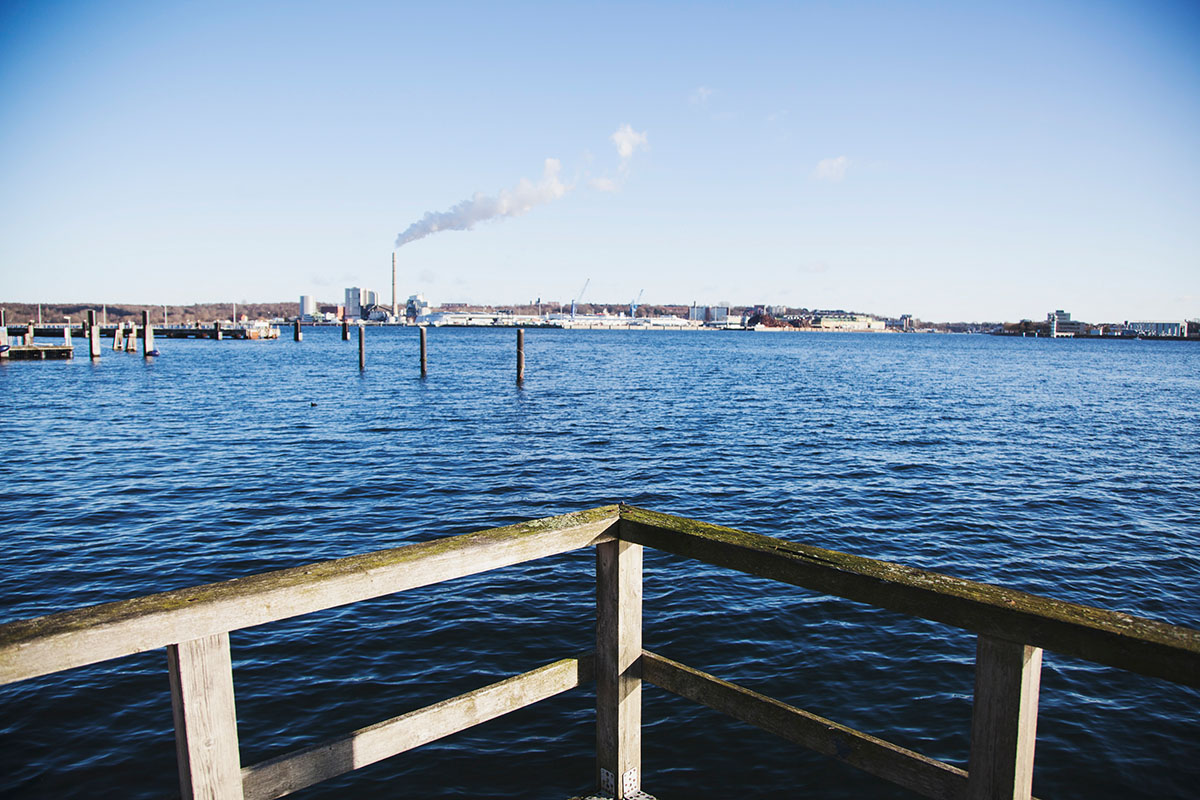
x=618 y=655
x=921 y=774
x=294 y=771
x=1119 y=640
x=206 y=740
x=1004 y=720
x=84 y=636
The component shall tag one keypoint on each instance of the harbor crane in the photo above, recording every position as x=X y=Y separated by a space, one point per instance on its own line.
x=633 y=304
x=575 y=302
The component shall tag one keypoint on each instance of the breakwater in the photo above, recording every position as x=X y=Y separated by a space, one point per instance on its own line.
x=1058 y=467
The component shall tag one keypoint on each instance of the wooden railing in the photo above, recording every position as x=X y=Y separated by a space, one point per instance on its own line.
x=194 y=625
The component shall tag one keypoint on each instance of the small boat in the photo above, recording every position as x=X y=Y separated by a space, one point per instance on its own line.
x=258 y=330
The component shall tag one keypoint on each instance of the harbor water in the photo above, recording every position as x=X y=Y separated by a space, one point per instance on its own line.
x=1060 y=467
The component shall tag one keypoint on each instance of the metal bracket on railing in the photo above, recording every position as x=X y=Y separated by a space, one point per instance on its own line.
x=629 y=782
x=608 y=783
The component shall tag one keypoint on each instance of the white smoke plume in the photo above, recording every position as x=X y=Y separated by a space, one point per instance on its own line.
x=463 y=216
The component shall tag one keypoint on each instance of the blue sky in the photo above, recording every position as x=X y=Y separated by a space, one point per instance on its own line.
x=954 y=161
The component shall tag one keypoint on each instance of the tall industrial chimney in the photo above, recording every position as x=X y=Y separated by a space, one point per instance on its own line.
x=394 y=284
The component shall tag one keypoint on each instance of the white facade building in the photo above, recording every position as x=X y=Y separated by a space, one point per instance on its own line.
x=849 y=322
x=1152 y=327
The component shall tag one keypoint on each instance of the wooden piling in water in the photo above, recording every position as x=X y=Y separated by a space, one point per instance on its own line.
x=520 y=355
x=345 y=330
x=296 y=334
x=29 y=333
x=119 y=337
x=217 y=330
x=362 y=347
x=67 y=333
x=423 y=353
x=93 y=334
x=131 y=339
x=147 y=335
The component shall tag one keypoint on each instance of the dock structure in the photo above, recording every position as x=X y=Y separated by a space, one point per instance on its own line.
x=29 y=350
x=1011 y=628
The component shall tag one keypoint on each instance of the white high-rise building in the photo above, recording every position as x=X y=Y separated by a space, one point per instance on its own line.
x=308 y=305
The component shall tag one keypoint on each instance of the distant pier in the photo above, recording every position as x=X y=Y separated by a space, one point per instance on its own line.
x=236 y=332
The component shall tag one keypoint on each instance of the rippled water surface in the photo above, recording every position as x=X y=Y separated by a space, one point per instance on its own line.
x=1065 y=468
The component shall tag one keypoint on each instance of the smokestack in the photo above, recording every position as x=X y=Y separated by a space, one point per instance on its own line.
x=393 y=284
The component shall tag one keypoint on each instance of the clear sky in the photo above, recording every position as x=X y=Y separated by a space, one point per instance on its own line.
x=956 y=161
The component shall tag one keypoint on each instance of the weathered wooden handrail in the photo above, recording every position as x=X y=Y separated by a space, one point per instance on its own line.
x=39 y=646
x=1105 y=637
x=194 y=625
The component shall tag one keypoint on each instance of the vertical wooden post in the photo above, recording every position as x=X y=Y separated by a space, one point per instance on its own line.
x=131 y=340
x=1003 y=720
x=147 y=335
x=93 y=335
x=67 y=333
x=423 y=351
x=217 y=330
x=345 y=330
x=29 y=333
x=206 y=743
x=119 y=337
x=296 y=334
x=618 y=668
x=362 y=347
x=520 y=355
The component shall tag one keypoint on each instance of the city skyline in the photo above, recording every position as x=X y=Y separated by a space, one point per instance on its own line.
x=990 y=163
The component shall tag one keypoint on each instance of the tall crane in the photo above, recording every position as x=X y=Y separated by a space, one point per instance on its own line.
x=575 y=302
x=633 y=304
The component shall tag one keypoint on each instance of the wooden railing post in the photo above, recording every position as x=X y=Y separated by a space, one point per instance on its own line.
x=206 y=741
x=618 y=668
x=1003 y=720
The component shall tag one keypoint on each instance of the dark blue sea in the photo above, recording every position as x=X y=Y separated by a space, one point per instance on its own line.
x=1065 y=468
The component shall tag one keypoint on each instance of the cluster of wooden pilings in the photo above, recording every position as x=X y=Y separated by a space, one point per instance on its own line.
x=298 y=336
x=124 y=337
